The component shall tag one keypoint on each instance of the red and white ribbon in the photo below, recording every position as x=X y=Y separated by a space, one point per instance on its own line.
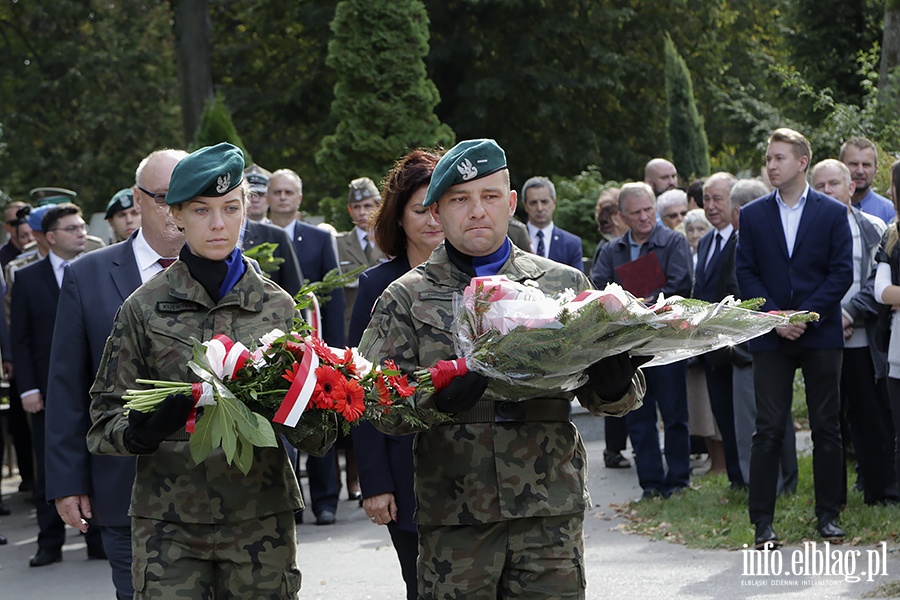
x=225 y=358
x=301 y=389
x=313 y=316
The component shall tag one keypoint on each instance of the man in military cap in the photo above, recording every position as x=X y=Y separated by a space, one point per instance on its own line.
x=257 y=207
x=123 y=215
x=500 y=488
x=356 y=247
x=52 y=195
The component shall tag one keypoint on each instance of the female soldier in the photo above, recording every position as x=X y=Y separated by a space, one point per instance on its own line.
x=207 y=530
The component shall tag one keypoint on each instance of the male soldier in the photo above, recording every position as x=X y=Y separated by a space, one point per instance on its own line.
x=55 y=195
x=500 y=489
x=861 y=157
x=92 y=491
x=34 y=300
x=660 y=175
x=18 y=230
x=357 y=247
x=796 y=251
x=864 y=398
x=257 y=207
x=123 y=215
x=548 y=240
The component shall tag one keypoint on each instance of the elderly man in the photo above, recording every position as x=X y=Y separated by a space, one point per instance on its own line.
x=548 y=240
x=500 y=487
x=861 y=157
x=647 y=260
x=795 y=250
x=93 y=492
x=660 y=175
x=864 y=397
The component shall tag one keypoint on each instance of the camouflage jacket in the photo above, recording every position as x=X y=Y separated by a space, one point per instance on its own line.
x=482 y=472
x=151 y=339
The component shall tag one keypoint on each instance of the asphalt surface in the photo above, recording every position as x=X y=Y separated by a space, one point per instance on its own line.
x=353 y=559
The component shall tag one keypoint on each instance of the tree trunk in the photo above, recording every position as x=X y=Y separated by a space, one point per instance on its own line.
x=890 y=47
x=192 y=42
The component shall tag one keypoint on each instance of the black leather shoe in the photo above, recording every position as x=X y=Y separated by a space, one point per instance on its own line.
x=44 y=557
x=3 y=540
x=766 y=538
x=326 y=517
x=615 y=460
x=831 y=532
x=4 y=509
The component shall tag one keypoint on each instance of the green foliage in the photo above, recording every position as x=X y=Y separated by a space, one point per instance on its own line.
x=334 y=210
x=710 y=515
x=216 y=126
x=384 y=102
x=687 y=137
x=84 y=94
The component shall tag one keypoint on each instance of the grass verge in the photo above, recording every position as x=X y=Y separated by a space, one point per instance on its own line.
x=710 y=515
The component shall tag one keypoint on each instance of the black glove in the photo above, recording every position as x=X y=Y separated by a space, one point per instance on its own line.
x=146 y=431
x=462 y=393
x=611 y=377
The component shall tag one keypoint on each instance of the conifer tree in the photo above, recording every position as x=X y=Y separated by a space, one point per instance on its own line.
x=216 y=127
x=687 y=136
x=383 y=99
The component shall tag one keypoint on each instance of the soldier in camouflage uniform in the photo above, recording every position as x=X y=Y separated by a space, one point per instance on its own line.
x=208 y=530
x=500 y=490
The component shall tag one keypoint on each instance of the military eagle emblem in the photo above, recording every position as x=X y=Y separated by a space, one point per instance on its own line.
x=467 y=169
x=223 y=183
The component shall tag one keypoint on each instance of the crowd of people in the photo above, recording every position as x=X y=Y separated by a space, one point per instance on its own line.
x=490 y=503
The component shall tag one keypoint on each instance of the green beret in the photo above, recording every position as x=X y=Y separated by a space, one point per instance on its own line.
x=122 y=200
x=362 y=189
x=51 y=195
x=212 y=171
x=466 y=161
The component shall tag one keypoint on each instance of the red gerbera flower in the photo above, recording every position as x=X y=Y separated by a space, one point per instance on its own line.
x=348 y=363
x=384 y=395
x=353 y=405
x=401 y=386
x=330 y=388
x=324 y=351
x=295 y=348
x=291 y=374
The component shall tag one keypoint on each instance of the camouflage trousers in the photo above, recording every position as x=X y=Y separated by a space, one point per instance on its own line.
x=254 y=559
x=537 y=557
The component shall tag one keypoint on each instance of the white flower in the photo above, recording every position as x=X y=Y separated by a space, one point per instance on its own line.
x=362 y=365
x=266 y=341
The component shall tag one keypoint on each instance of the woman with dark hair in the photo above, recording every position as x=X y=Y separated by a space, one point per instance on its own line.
x=404 y=229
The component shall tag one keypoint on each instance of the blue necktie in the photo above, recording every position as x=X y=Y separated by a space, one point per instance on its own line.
x=540 y=246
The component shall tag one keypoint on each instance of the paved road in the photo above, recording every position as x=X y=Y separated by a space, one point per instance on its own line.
x=353 y=559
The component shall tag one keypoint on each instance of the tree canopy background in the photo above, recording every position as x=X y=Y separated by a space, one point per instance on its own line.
x=88 y=88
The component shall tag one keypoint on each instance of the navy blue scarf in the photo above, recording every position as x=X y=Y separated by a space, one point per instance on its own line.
x=479 y=266
x=218 y=277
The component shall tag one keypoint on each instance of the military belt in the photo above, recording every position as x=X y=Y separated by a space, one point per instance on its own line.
x=534 y=409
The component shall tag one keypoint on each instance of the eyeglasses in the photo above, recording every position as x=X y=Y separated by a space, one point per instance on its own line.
x=675 y=215
x=72 y=228
x=158 y=198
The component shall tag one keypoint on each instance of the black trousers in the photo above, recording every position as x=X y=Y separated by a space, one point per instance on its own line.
x=773 y=377
x=871 y=430
x=406 y=543
x=721 y=400
x=615 y=430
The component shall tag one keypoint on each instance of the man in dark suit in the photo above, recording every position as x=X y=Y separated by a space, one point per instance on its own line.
x=715 y=279
x=315 y=250
x=34 y=301
x=288 y=275
x=93 y=492
x=795 y=250
x=865 y=407
x=548 y=240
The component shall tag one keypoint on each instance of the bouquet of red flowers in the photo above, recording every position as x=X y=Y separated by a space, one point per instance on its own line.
x=291 y=384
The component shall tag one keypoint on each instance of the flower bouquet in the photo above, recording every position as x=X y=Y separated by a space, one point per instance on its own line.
x=528 y=343
x=289 y=384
